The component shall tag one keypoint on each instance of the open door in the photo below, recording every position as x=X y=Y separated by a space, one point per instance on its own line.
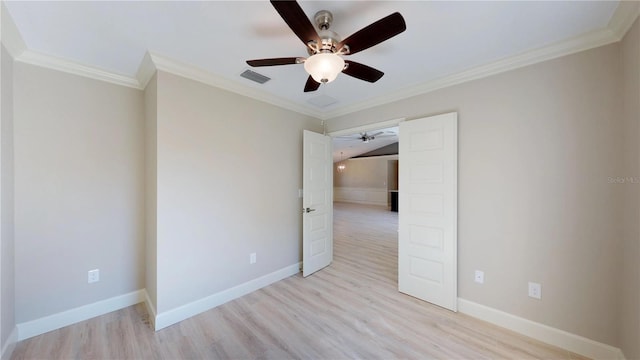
x=428 y=211
x=317 y=203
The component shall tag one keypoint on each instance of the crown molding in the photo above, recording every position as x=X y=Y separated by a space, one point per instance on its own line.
x=580 y=43
x=146 y=70
x=620 y=23
x=197 y=74
x=11 y=38
x=624 y=16
x=72 y=67
x=13 y=42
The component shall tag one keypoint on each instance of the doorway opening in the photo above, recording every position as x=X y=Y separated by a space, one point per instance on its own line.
x=366 y=164
x=365 y=186
x=426 y=236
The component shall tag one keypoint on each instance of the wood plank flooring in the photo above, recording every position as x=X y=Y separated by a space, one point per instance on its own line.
x=351 y=309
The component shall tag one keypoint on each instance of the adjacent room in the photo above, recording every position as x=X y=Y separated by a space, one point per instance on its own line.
x=320 y=179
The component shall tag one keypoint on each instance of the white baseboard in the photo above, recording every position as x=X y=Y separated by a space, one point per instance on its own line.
x=541 y=332
x=45 y=324
x=10 y=344
x=56 y=321
x=186 y=311
x=150 y=309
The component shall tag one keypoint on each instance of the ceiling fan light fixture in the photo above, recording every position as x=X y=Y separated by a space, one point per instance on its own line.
x=324 y=67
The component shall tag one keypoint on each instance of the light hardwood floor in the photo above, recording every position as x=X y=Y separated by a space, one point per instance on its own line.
x=351 y=309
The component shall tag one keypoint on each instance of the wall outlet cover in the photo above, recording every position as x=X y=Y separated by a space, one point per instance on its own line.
x=93 y=276
x=535 y=290
x=479 y=277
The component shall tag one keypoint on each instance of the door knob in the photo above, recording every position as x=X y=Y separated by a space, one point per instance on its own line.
x=307 y=210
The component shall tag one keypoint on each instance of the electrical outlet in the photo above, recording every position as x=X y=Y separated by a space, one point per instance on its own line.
x=93 y=276
x=252 y=258
x=479 y=277
x=535 y=290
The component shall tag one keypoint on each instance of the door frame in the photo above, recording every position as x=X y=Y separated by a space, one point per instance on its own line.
x=366 y=128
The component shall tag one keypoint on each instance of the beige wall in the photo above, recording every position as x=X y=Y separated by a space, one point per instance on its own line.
x=630 y=299
x=362 y=173
x=228 y=173
x=536 y=146
x=151 y=190
x=79 y=200
x=7 y=284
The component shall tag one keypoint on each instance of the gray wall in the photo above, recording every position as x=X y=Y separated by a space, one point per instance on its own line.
x=7 y=279
x=228 y=173
x=79 y=200
x=536 y=146
x=630 y=299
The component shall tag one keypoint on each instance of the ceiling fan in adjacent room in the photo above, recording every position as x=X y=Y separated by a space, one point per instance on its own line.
x=365 y=137
x=325 y=48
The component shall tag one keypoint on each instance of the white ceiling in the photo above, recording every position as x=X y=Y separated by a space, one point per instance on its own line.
x=442 y=39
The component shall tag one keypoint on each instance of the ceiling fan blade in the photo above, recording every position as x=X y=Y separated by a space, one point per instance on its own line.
x=378 y=133
x=311 y=85
x=362 y=72
x=375 y=33
x=273 y=61
x=297 y=20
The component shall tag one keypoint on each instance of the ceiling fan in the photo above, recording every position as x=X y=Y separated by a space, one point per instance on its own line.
x=364 y=137
x=325 y=48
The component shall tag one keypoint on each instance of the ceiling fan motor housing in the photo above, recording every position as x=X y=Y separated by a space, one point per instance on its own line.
x=323 y=19
x=329 y=39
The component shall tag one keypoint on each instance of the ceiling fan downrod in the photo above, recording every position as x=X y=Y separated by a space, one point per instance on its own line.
x=329 y=40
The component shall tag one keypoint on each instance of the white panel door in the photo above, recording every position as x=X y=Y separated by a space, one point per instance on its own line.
x=428 y=196
x=317 y=203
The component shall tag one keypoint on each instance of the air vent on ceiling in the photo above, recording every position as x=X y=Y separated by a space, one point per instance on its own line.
x=254 y=76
